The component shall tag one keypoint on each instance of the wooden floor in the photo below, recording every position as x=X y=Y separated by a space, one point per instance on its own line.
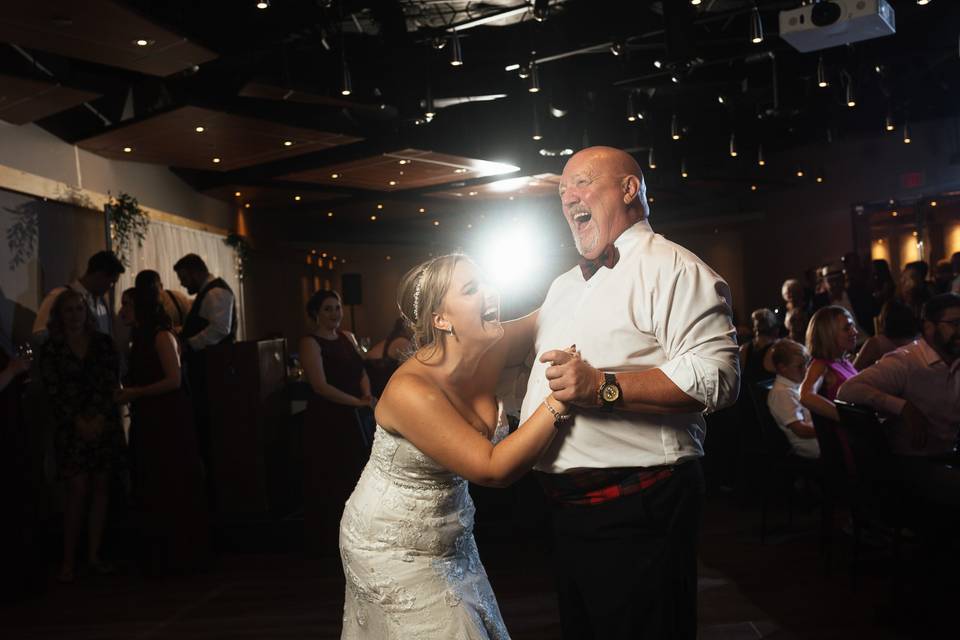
x=747 y=591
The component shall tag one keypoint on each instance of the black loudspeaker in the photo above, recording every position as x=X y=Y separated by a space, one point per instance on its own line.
x=352 y=290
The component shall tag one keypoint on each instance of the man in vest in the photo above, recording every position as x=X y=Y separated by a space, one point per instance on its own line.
x=212 y=320
x=103 y=270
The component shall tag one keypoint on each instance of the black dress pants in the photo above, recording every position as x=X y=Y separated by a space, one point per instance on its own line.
x=627 y=568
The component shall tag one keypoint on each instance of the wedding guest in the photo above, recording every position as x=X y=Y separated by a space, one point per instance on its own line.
x=914 y=291
x=884 y=288
x=170 y=497
x=796 y=324
x=795 y=301
x=920 y=383
x=335 y=445
x=79 y=368
x=755 y=362
x=385 y=356
x=831 y=339
x=653 y=323
x=103 y=270
x=857 y=301
x=212 y=320
x=175 y=303
x=896 y=327
x=790 y=360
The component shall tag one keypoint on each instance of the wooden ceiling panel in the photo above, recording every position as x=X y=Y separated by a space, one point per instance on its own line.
x=23 y=101
x=227 y=141
x=270 y=196
x=99 y=31
x=403 y=169
x=539 y=186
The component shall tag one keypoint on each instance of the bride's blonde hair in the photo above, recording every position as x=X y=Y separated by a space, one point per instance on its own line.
x=421 y=293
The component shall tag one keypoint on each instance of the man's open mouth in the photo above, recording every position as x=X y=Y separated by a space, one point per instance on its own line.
x=581 y=219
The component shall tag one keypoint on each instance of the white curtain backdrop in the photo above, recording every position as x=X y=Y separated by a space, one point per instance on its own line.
x=166 y=243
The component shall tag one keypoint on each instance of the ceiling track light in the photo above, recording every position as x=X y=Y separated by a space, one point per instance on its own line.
x=733 y=145
x=851 y=94
x=456 y=54
x=633 y=114
x=263 y=4
x=923 y=3
x=756 y=26
x=675 y=127
x=651 y=159
x=533 y=82
x=346 y=87
x=683 y=168
x=822 y=74
x=429 y=112
x=695 y=3
x=888 y=123
x=906 y=133
x=761 y=161
x=537 y=135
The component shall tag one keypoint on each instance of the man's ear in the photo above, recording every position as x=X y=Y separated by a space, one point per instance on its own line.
x=631 y=188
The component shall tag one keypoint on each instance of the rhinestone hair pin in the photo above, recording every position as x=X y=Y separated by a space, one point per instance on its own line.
x=416 y=296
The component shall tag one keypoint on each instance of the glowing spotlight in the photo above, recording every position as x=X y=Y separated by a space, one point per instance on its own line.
x=510 y=255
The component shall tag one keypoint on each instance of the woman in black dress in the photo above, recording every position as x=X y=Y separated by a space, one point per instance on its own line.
x=80 y=371
x=335 y=445
x=167 y=472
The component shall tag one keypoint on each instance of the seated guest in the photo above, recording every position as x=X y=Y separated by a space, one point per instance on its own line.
x=175 y=303
x=790 y=360
x=335 y=446
x=920 y=383
x=857 y=302
x=795 y=299
x=942 y=277
x=796 y=323
x=755 y=363
x=385 y=356
x=914 y=291
x=80 y=371
x=831 y=338
x=896 y=327
x=103 y=270
x=173 y=510
x=884 y=288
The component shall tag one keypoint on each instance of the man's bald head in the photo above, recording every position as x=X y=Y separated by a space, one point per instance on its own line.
x=602 y=193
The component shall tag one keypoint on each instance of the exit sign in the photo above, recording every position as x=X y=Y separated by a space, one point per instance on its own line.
x=912 y=180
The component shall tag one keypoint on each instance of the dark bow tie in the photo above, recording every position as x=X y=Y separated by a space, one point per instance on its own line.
x=608 y=258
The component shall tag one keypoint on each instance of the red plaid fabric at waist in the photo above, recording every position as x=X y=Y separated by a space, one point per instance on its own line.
x=596 y=486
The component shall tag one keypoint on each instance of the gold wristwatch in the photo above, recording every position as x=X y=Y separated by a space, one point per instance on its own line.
x=609 y=392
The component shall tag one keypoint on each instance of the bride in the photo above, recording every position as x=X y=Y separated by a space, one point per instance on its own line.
x=406 y=537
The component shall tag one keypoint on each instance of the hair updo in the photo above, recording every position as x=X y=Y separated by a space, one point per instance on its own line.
x=421 y=292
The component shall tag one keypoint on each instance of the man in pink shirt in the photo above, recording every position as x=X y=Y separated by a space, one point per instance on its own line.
x=920 y=384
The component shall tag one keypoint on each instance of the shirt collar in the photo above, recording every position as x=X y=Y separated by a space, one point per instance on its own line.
x=632 y=235
x=786 y=382
x=931 y=357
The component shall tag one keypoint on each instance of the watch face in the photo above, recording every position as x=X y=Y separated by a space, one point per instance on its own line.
x=611 y=393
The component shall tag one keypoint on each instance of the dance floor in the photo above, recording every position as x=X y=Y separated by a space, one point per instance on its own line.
x=747 y=590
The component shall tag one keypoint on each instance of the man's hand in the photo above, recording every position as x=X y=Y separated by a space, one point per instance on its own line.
x=572 y=380
x=917 y=423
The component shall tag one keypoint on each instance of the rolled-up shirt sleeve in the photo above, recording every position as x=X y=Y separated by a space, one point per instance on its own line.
x=880 y=386
x=695 y=328
x=217 y=310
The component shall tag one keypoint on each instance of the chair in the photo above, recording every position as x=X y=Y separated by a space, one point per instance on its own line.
x=874 y=480
x=778 y=456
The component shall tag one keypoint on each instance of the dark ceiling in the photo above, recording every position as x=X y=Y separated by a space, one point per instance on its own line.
x=285 y=64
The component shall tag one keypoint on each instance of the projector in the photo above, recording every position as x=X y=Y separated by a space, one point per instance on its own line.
x=831 y=23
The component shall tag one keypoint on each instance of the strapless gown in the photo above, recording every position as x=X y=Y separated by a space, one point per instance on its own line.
x=411 y=564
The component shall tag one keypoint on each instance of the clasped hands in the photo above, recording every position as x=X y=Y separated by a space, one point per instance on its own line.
x=571 y=378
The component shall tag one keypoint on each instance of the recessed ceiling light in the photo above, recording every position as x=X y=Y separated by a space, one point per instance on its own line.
x=472 y=193
x=933 y=203
x=288 y=143
x=199 y=129
x=753 y=187
x=393 y=183
x=460 y=170
x=329 y=214
x=422 y=210
x=143 y=42
x=216 y=161
x=297 y=198
x=127 y=149
x=373 y=217
x=246 y=206
x=236 y=193
x=389 y=258
x=404 y=162
x=263 y=4
x=334 y=175
x=893 y=213
x=436 y=223
x=379 y=206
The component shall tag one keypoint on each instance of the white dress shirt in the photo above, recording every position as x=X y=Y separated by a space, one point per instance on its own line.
x=659 y=307
x=917 y=374
x=95 y=306
x=784 y=404
x=217 y=310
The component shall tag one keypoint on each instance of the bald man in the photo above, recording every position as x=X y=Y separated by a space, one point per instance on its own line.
x=656 y=348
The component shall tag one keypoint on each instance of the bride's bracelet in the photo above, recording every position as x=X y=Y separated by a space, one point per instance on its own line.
x=558 y=418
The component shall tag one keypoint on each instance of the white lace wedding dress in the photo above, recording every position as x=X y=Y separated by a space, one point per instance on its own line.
x=411 y=564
